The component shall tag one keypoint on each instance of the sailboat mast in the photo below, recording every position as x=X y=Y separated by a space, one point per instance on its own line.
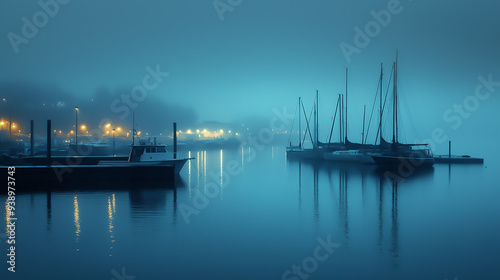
x=395 y=132
x=396 y=95
x=363 y=133
x=315 y=124
x=133 y=129
x=342 y=119
x=394 y=113
x=381 y=110
x=346 y=104
x=300 y=128
x=334 y=118
x=317 y=118
x=339 y=103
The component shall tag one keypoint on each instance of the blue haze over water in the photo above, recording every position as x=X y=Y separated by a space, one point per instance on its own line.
x=436 y=224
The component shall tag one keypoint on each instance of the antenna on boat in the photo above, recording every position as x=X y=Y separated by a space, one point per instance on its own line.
x=133 y=129
x=175 y=140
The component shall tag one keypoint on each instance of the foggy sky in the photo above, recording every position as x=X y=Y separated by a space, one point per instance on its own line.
x=261 y=56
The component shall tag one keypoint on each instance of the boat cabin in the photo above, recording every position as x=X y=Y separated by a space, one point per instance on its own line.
x=142 y=153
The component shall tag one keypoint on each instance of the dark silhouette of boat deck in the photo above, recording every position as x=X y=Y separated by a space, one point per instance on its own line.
x=28 y=178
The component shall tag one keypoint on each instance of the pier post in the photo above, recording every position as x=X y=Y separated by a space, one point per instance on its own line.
x=175 y=140
x=32 y=138
x=49 y=141
x=10 y=126
x=449 y=149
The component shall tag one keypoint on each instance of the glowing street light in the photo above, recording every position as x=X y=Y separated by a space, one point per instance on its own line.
x=83 y=127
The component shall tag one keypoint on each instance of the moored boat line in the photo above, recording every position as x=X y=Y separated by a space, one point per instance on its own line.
x=387 y=154
x=146 y=161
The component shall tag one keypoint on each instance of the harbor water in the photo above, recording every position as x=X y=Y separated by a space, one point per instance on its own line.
x=232 y=214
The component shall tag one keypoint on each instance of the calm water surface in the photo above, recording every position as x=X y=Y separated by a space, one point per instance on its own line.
x=272 y=214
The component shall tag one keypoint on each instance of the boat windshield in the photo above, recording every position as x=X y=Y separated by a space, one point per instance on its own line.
x=153 y=150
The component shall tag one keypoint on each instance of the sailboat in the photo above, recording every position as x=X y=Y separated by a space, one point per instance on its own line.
x=356 y=152
x=319 y=148
x=419 y=155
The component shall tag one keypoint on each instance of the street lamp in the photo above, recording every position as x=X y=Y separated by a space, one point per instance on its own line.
x=76 y=127
x=113 y=142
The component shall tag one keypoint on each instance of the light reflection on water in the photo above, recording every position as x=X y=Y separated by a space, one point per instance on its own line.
x=269 y=220
x=221 y=174
x=111 y=211
x=76 y=214
x=370 y=179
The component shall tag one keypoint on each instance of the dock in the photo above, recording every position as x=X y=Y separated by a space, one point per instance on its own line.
x=59 y=160
x=455 y=159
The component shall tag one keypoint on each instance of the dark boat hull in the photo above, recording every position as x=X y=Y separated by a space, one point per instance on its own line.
x=296 y=153
x=46 y=177
x=395 y=161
